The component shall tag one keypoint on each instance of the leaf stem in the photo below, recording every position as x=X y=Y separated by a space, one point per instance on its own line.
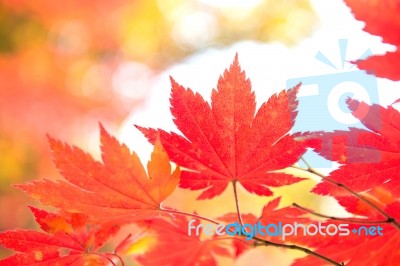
x=352 y=192
x=235 y=194
x=349 y=220
x=119 y=258
x=107 y=258
x=293 y=247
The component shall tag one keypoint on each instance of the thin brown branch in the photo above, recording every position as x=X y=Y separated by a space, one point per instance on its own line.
x=389 y=219
x=295 y=247
x=259 y=240
x=119 y=258
x=237 y=202
x=122 y=243
x=107 y=258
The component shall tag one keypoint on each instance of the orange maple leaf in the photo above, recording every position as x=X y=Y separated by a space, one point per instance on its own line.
x=118 y=188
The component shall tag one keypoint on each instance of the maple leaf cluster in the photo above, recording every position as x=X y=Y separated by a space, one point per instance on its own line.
x=225 y=142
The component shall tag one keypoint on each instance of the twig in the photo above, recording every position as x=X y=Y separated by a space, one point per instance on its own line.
x=237 y=202
x=361 y=197
x=295 y=247
x=107 y=258
x=259 y=240
x=119 y=258
x=349 y=220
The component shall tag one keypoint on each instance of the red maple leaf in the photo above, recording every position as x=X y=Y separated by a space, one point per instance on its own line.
x=371 y=167
x=381 y=18
x=273 y=215
x=371 y=157
x=67 y=240
x=175 y=247
x=118 y=188
x=228 y=141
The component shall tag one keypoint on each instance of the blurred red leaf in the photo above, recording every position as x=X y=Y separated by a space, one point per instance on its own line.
x=67 y=240
x=175 y=247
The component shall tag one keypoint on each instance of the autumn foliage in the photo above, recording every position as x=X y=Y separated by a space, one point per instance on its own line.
x=222 y=142
x=225 y=143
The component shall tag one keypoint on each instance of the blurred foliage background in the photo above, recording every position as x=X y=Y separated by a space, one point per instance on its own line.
x=65 y=65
